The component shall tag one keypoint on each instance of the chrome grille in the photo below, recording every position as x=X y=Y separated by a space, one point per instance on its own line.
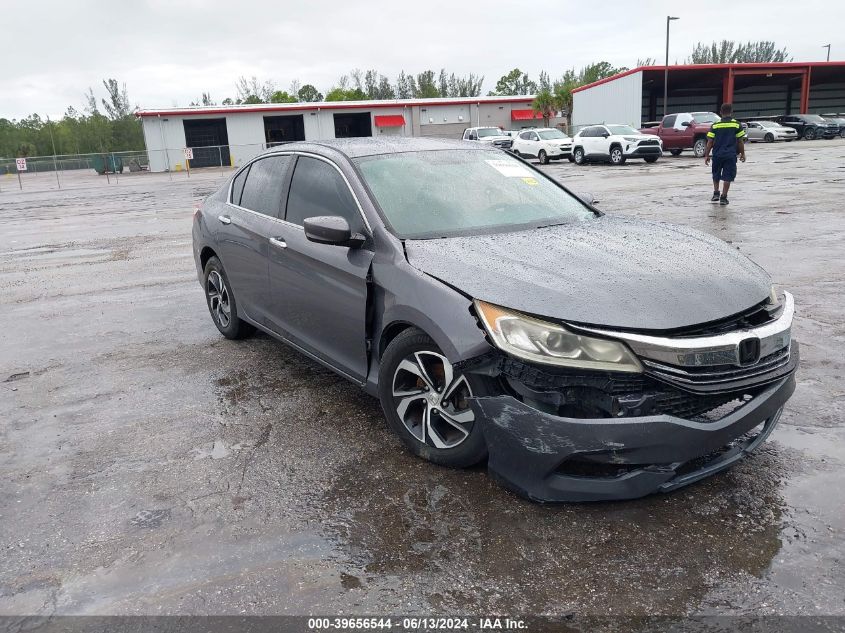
x=721 y=377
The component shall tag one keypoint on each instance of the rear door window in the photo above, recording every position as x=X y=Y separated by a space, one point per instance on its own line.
x=262 y=191
x=316 y=189
x=238 y=186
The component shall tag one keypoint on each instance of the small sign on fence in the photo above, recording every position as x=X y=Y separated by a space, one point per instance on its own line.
x=189 y=153
x=21 y=164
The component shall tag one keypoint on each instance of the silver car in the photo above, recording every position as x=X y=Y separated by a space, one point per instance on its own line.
x=770 y=131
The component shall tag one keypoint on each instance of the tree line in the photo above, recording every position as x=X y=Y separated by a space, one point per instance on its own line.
x=109 y=124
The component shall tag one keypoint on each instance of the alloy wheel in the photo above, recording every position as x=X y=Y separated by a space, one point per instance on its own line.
x=699 y=147
x=809 y=134
x=616 y=155
x=218 y=299
x=431 y=402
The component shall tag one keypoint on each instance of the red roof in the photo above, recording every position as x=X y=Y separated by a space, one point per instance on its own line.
x=332 y=105
x=525 y=115
x=797 y=66
x=389 y=120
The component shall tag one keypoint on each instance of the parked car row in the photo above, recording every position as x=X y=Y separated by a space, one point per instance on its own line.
x=597 y=143
x=615 y=143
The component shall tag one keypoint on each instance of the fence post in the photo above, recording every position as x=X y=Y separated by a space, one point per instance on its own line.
x=220 y=156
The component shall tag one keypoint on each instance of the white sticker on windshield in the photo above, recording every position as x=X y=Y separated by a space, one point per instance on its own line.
x=509 y=168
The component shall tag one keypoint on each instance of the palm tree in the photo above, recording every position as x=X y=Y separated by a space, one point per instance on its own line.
x=545 y=104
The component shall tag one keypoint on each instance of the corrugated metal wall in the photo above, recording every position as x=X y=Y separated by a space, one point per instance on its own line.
x=828 y=98
x=617 y=101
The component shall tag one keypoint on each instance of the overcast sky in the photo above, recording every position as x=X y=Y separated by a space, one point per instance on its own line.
x=169 y=51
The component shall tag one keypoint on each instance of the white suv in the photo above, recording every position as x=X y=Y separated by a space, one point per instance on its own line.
x=615 y=144
x=544 y=144
x=491 y=135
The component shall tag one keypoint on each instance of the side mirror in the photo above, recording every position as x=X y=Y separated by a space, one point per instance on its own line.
x=332 y=229
x=587 y=198
x=686 y=123
x=605 y=134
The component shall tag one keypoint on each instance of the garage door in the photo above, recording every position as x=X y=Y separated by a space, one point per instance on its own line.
x=210 y=140
x=444 y=130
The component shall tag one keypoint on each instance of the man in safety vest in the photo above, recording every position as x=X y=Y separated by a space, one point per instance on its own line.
x=725 y=139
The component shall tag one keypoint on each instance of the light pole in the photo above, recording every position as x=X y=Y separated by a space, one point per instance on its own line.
x=827 y=46
x=669 y=18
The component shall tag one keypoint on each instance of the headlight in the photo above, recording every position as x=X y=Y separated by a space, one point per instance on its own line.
x=631 y=139
x=552 y=344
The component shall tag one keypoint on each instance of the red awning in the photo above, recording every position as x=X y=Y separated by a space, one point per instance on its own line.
x=389 y=120
x=525 y=115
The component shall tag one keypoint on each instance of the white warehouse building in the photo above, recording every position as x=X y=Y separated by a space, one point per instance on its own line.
x=231 y=135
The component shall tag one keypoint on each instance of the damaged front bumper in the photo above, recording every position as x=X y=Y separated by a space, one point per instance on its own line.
x=551 y=458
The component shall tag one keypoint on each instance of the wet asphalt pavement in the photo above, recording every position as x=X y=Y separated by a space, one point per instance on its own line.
x=151 y=466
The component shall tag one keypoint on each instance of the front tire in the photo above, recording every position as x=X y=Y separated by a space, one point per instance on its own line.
x=651 y=159
x=675 y=151
x=543 y=157
x=221 y=302
x=578 y=156
x=809 y=134
x=617 y=157
x=769 y=138
x=698 y=148
x=426 y=402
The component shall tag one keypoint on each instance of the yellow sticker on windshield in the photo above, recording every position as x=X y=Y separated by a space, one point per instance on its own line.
x=529 y=181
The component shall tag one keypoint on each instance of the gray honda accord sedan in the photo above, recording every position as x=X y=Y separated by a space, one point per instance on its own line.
x=500 y=318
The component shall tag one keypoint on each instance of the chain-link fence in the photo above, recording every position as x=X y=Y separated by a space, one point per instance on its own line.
x=76 y=170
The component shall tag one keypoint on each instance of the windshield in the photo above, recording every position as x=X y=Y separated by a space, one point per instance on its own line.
x=548 y=135
x=623 y=130
x=814 y=118
x=705 y=117
x=443 y=193
x=489 y=131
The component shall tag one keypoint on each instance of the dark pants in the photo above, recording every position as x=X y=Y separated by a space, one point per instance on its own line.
x=724 y=168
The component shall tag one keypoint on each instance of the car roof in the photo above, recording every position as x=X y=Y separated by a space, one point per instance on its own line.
x=372 y=146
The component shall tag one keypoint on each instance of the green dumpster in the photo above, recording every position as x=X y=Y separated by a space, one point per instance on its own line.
x=108 y=163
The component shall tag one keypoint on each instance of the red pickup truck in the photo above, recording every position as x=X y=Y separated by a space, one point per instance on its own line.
x=684 y=130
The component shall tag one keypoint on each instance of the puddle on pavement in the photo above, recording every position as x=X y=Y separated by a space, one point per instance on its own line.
x=473 y=546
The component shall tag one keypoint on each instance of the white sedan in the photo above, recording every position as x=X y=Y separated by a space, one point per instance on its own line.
x=770 y=131
x=544 y=144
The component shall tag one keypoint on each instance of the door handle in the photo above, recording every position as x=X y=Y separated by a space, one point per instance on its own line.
x=224 y=219
x=278 y=242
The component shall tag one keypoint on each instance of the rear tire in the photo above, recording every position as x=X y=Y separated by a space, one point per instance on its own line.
x=543 y=157
x=426 y=402
x=675 y=152
x=769 y=138
x=221 y=302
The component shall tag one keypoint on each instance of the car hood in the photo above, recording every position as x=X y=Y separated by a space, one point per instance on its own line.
x=609 y=271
